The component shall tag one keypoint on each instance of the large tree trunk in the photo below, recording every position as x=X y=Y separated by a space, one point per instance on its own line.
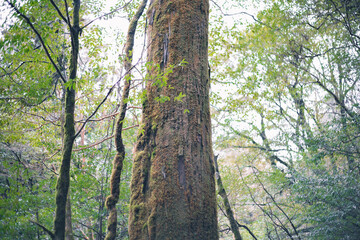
x=173 y=187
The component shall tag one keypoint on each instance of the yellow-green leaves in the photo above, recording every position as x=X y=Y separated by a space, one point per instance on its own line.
x=180 y=97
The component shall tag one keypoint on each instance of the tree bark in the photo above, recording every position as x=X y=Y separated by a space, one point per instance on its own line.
x=173 y=187
x=63 y=182
x=228 y=210
x=113 y=198
x=68 y=222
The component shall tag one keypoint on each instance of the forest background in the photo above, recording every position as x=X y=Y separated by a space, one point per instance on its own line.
x=285 y=116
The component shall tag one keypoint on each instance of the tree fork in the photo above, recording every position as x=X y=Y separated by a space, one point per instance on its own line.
x=120 y=148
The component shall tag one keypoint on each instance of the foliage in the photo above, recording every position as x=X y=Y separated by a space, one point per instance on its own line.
x=292 y=111
x=32 y=96
x=285 y=107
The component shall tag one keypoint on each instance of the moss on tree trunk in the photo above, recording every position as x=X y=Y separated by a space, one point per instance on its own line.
x=173 y=187
x=113 y=198
x=63 y=182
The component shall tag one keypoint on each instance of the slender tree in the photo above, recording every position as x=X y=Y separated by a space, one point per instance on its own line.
x=113 y=198
x=229 y=212
x=63 y=182
x=173 y=187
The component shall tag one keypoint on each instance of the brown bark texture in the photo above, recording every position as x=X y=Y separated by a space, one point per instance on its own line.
x=173 y=187
x=229 y=212
x=113 y=198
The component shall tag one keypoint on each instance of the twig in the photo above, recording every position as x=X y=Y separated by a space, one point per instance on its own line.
x=99 y=119
x=67 y=11
x=60 y=13
x=272 y=198
x=247 y=229
x=263 y=210
x=238 y=13
x=107 y=96
x=106 y=14
x=229 y=211
x=101 y=141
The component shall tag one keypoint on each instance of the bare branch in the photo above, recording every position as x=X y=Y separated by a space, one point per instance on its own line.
x=240 y=13
x=247 y=229
x=229 y=211
x=337 y=100
x=10 y=73
x=106 y=14
x=270 y=215
x=100 y=119
x=67 y=11
x=276 y=204
x=101 y=141
x=60 y=13
x=108 y=94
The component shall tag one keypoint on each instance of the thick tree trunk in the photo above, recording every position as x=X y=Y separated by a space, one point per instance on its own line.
x=173 y=188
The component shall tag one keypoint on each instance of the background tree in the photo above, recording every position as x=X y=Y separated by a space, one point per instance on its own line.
x=37 y=112
x=287 y=73
x=118 y=161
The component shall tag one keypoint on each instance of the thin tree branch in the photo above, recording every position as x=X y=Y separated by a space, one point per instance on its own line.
x=43 y=162
x=50 y=233
x=268 y=151
x=337 y=100
x=106 y=14
x=101 y=141
x=107 y=96
x=40 y=38
x=26 y=103
x=10 y=73
x=263 y=210
x=100 y=119
x=107 y=116
x=88 y=227
x=277 y=205
x=229 y=211
x=60 y=13
x=261 y=148
x=240 y=13
x=41 y=117
x=247 y=229
x=67 y=12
